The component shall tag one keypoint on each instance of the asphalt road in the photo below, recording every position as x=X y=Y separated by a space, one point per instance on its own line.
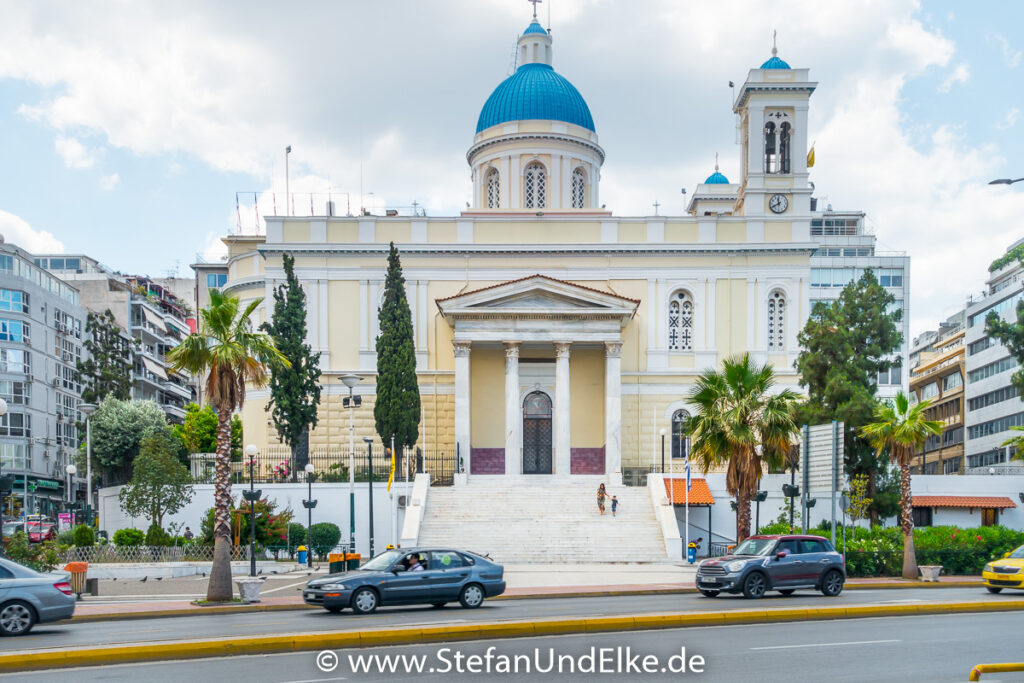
x=307 y=621
x=932 y=649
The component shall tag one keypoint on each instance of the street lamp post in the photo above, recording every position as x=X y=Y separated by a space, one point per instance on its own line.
x=251 y=496
x=88 y=409
x=1005 y=181
x=309 y=504
x=351 y=381
x=70 y=469
x=662 y=432
x=369 y=458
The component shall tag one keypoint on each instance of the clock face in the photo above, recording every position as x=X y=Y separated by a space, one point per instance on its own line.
x=778 y=203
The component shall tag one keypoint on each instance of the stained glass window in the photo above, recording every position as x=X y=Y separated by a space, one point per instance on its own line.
x=535 y=187
x=493 y=189
x=680 y=441
x=776 y=322
x=680 y=322
x=579 y=190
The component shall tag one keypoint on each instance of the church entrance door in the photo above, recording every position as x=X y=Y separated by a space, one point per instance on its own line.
x=537 y=434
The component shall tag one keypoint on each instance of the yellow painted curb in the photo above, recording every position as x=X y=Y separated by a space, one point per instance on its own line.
x=1007 y=667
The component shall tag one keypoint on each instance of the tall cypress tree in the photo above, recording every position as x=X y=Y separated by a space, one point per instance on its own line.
x=396 y=411
x=294 y=390
x=107 y=371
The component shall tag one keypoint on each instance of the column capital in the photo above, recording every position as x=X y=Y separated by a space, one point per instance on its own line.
x=511 y=349
x=562 y=349
x=461 y=348
x=613 y=349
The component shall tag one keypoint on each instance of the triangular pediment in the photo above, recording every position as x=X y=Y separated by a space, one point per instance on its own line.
x=537 y=295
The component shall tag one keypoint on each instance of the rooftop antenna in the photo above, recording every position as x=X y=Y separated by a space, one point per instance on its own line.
x=549 y=14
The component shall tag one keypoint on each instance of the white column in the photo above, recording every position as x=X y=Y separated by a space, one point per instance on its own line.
x=563 y=457
x=513 y=449
x=613 y=411
x=462 y=400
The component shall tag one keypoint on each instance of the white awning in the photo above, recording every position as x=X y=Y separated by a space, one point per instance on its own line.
x=154 y=367
x=154 y=319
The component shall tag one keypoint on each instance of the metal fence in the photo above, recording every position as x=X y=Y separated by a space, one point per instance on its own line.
x=112 y=554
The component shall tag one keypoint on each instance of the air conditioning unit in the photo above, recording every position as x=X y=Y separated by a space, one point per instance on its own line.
x=66 y=357
x=402 y=501
x=56 y=381
x=28 y=377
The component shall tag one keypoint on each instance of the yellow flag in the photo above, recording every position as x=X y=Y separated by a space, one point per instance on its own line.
x=810 y=157
x=391 y=475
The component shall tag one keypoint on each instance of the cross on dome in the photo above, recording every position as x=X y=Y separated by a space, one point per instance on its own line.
x=534 y=6
x=775 y=62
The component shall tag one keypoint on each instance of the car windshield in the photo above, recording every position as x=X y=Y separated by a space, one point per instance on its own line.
x=1018 y=553
x=381 y=562
x=754 y=546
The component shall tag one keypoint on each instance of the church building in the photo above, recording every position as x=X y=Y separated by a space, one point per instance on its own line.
x=552 y=336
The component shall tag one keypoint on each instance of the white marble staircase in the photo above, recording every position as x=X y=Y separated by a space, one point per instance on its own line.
x=542 y=520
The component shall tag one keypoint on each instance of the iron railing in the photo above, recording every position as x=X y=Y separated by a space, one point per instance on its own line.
x=110 y=554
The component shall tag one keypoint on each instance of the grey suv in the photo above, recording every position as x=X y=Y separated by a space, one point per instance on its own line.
x=782 y=563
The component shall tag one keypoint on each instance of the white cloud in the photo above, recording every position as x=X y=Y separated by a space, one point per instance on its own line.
x=1011 y=57
x=961 y=73
x=109 y=182
x=1010 y=120
x=17 y=231
x=213 y=249
x=73 y=152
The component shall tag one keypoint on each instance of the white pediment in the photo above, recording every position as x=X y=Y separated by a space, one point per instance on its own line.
x=536 y=299
x=538 y=296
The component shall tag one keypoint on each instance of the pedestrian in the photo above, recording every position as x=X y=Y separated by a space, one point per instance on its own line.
x=601 y=494
x=188 y=534
x=615 y=504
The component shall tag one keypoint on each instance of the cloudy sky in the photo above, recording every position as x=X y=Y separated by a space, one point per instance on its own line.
x=126 y=128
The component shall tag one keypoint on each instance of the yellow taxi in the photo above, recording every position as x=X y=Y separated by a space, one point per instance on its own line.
x=1007 y=572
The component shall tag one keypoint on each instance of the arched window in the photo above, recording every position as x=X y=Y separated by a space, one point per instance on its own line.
x=776 y=322
x=493 y=189
x=785 y=132
x=680 y=441
x=535 y=187
x=579 y=189
x=770 y=157
x=680 y=322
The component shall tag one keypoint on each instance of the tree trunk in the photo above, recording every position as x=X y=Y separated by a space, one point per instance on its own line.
x=219 y=588
x=742 y=517
x=872 y=511
x=907 y=524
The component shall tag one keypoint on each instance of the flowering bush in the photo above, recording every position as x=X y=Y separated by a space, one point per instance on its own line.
x=283 y=470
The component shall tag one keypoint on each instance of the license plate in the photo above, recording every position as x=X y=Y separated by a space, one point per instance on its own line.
x=310 y=595
x=709 y=580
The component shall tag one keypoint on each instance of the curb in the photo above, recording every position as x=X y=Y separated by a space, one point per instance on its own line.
x=236 y=609
x=195 y=649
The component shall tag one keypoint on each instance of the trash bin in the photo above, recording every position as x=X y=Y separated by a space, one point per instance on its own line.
x=337 y=562
x=78 y=571
x=691 y=553
x=352 y=561
x=302 y=554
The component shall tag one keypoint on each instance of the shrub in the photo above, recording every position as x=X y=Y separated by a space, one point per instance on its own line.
x=323 y=537
x=66 y=538
x=127 y=538
x=43 y=557
x=156 y=536
x=296 y=536
x=84 y=536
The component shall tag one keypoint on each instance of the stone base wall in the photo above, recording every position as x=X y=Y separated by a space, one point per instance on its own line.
x=586 y=461
x=487 y=461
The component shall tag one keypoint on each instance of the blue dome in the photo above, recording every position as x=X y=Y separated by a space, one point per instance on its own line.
x=716 y=178
x=534 y=27
x=535 y=91
x=775 y=63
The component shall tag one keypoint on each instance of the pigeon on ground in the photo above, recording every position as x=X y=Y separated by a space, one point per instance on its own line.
x=309 y=573
x=259 y=572
x=159 y=578
x=204 y=574
x=143 y=579
x=115 y=578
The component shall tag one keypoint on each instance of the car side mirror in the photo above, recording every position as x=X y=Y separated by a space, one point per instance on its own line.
x=1006 y=554
x=781 y=554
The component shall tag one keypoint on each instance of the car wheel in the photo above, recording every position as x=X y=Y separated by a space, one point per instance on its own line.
x=364 y=601
x=472 y=596
x=754 y=585
x=787 y=591
x=832 y=583
x=708 y=594
x=334 y=610
x=438 y=605
x=16 y=618
x=993 y=589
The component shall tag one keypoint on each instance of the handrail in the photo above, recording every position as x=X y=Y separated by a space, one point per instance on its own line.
x=1006 y=667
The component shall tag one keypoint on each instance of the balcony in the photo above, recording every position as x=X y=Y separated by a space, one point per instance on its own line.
x=178 y=390
x=174 y=411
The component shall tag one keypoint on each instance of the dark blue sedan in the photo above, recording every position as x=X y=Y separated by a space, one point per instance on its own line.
x=417 y=576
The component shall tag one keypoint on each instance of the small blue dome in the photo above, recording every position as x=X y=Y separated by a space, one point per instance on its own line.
x=716 y=178
x=534 y=27
x=775 y=63
x=535 y=91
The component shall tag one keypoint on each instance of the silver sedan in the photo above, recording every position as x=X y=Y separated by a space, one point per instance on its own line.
x=28 y=597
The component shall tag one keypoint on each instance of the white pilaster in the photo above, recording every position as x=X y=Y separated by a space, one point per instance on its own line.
x=513 y=450
x=563 y=456
x=462 y=401
x=613 y=412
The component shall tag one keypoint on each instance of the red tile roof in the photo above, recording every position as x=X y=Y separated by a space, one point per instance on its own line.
x=963 y=502
x=700 y=494
x=546 y=277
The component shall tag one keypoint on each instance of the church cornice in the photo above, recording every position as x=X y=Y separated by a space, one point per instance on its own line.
x=618 y=249
x=533 y=137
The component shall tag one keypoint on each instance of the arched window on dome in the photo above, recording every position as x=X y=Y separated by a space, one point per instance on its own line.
x=579 y=189
x=680 y=321
x=535 y=187
x=493 y=189
x=771 y=158
x=680 y=440
x=785 y=133
x=776 y=326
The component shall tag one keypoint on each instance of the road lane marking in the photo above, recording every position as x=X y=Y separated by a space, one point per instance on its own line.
x=851 y=642
x=281 y=588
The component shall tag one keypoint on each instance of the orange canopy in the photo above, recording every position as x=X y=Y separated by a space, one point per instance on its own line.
x=700 y=494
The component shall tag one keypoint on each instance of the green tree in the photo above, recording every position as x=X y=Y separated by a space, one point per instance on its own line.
x=859 y=503
x=295 y=390
x=844 y=345
x=396 y=411
x=160 y=484
x=1011 y=335
x=118 y=428
x=900 y=429
x=743 y=424
x=107 y=372
x=232 y=355
x=198 y=431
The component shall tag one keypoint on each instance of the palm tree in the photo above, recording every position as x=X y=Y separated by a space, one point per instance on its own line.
x=902 y=429
x=742 y=424
x=227 y=348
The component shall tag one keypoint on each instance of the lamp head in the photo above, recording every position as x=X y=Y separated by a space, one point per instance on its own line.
x=288 y=149
x=309 y=468
x=251 y=450
x=71 y=469
x=3 y=407
x=87 y=409
x=351 y=380
x=368 y=439
x=662 y=431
